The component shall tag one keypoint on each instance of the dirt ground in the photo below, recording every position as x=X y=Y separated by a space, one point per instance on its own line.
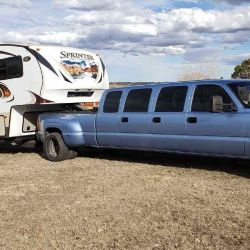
x=123 y=200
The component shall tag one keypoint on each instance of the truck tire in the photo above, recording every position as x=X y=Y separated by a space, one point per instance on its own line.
x=54 y=148
x=72 y=154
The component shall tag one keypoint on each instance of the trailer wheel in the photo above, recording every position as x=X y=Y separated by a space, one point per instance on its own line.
x=54 y=148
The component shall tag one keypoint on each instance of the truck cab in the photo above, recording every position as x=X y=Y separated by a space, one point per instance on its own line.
x=197 y=117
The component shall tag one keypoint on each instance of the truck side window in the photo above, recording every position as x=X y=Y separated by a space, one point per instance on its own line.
x=138 y=100
x=11 y=67
x=171 y=99
x=112 y=102
x=203 y=95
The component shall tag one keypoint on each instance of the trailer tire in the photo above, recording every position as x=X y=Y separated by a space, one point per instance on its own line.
x=54 y=148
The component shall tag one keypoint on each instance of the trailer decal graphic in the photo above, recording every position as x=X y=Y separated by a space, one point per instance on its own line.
x=65 y=78
x=6 y=53
x=39 y=99
x=79 y=65
x=5 y=93
x=43 y=61
x=80 y=69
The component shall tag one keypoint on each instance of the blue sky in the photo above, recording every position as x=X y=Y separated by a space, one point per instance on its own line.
x=139 y=40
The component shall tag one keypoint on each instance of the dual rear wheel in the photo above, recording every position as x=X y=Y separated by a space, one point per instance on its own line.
x=54 y=148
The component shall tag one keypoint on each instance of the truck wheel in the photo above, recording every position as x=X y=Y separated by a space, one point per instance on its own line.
x=54 y=148
x=72 y=154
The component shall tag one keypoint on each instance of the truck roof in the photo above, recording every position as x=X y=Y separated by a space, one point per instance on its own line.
x=217 y=81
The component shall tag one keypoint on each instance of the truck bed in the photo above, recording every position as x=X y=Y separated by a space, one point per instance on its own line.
x=77 y=127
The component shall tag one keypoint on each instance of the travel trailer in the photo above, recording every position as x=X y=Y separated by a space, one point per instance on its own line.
x=36 y=79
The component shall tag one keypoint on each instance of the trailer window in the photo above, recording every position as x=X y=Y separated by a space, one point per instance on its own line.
x=112 y=102
x=138 y=100
x=11 y=67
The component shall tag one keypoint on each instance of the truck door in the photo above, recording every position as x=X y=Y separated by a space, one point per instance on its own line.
x=215 y=133
x=168 y=128
x=134 y=121
x=107 y=123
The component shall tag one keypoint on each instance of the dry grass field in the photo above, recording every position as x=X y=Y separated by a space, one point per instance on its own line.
x=123 y=200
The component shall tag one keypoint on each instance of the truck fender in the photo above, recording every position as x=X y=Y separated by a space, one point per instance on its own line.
x=71 y=132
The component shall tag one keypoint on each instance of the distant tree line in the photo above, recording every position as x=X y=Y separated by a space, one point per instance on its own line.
x=242 y=71
x=210 y=71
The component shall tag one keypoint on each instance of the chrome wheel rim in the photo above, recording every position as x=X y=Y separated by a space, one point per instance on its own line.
x=53 y=148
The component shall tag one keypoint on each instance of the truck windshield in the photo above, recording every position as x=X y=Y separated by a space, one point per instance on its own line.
x=242 y=91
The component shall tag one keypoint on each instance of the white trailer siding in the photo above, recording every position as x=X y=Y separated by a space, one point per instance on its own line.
x=51 y=75
x=59 y=84
x=21 y=88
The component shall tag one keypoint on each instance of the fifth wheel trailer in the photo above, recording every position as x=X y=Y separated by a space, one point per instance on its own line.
x=36 y=79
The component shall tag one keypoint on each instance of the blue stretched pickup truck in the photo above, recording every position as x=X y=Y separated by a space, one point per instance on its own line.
x=196 y=117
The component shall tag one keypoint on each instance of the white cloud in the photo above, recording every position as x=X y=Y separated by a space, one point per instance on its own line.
x=63 y=38
x=236 y=59
x=233 y=2
x=236 y=37
x=86 y=5
x=163 y=4
x=204 y=55
x=16 y=3
x=146 y=31
x=201 y=21
x=132 y=29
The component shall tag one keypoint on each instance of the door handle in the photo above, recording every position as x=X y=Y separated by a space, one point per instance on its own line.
x=192 y=119
x=156 y=120
x=124 y=119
